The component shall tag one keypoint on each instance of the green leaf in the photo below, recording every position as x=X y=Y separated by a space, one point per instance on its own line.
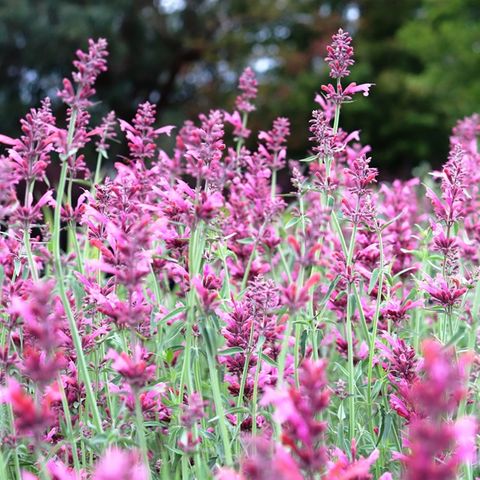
x=230 y=351
x=308 y=159
x=394 y=219
x=373 y=280
x=172 y=314
x=291 y=222
x=246 y=241
x=330 y=290
x=268 y=359
x=456 y=337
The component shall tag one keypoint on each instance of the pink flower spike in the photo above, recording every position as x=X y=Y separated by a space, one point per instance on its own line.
x=340 y=53
x=247 y=84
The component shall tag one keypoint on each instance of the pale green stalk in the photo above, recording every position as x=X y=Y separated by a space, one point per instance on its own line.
x=220 y=411
x=16 y=460
x=26 y=237
x=68 y=424
x=241 y=140
x=274 y=184
x=373 y=336
x=255 y=393
x=3 y=466
x=142 y=440
x=61 y=285
x=349 y=334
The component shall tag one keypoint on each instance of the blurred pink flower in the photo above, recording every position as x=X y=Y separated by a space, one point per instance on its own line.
x=118 y=464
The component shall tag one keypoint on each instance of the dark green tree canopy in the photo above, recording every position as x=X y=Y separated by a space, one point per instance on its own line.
x=186 y=55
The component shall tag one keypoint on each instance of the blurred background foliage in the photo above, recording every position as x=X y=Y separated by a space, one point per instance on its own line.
x=186 y=55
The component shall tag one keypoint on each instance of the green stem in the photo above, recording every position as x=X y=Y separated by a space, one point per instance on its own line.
x=16 y=460
x=472 y=341
x=220 y=412
x=248 y=267
x=98 y=169
x=241 y=140
x=373 y=336
x=3 y=466
x=29 y=187
x=73 y=235
x=274 y=183
x=250 y=259
x=195 y=253
x=68 y=422
x=28 y=249
x=243 y=381
x=349 y=335
x=255 y=391
x=142 y=440
x=61 y=285
x=351 y=370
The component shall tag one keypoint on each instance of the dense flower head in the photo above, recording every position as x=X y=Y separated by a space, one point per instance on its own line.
x=41 y=313
x=401 y=359
x=400 y=238
x=429 y=444
x=32 y=416
x=274 y=150
x=106 y=132
x=446 y=294
x=134 y=369
x=341 y=467
x=248 y=85
x=8 y=179
x=340 y=53
x=360 y=175
x=322 y=135
x=30 y=153
x=296 y=409
x=453 y=177
x=397 y=311
x=204 y=155
x=438 y=446
x=142 y=134
x=442 y=387
x=88 y=66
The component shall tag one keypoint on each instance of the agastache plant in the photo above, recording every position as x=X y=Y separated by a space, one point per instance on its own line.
x=183 y=316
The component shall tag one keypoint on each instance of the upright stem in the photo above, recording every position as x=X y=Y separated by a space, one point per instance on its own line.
x=142 y=440
x=349 y=335
x=250 y=259
x=217 y=399
x=241 y=140
x=61 y=285
x=16 y=460
x=274 y=183
x=30 y=259
x=98 y=169
x=373 y=336
x=3 y=466
x=255 y=387
x=68 y=422
x=26 y=235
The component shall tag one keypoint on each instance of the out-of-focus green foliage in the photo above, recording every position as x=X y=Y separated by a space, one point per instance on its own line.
x=185 y=56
